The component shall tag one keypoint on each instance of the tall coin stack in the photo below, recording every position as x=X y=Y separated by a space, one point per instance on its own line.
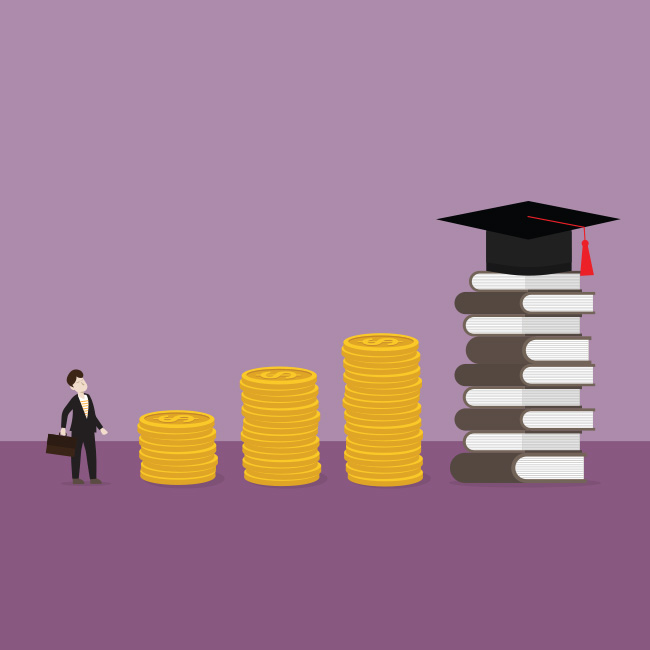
x=382 y=410
x=177 y=447
x=280 y=428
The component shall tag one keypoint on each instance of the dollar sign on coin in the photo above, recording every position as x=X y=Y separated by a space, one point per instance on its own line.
x=286 y=374
x=175 y=418
x=374 y=341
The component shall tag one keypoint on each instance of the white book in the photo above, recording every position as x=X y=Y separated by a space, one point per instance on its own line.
x=549 y=419
x=522 y=397
x=556 y=303
x=565 y=375
x=487 y=281
x=518 y=325
x=558 y=349
x=520 y=441
x=553 y=467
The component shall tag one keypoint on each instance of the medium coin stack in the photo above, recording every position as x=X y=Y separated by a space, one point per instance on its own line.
x=280 y=429
x=382 y=410
x=177 y=447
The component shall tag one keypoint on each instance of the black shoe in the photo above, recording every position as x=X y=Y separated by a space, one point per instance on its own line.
x=77 y=481
x=95 y=481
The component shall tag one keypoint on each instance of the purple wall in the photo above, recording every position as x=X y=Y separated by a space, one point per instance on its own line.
x=191 y=189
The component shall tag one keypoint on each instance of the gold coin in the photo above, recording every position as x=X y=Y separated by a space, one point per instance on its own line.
x=177 y=455
x=377 y=468
x=413 y=423
x=386 y=345
x=389 y=431
x=371 y=474
x=155 y=446
x=379 y=401
x=379 y=454
x=262 y=464
x=277 y=454
x=176 y=459
x=293 y=428
x=155 y=470
x=354 y=447
x=285 y=473
x=393 y=428
x=269 y=401
x=163 y=480
x=293 y=412
x=387 y=438
x=172 y=421
x=394 y=482
x=387 y=380
x=278 y=482
x=158 y=466
x=280 y=394
x=293 y=451
x=376 y=388
x=279 y=377
x=279 y=440
x=392 y=415
x=173 y=434
x=414 y=439
x=372 y=391
x=178 y=440
x=355 y=457
x=260 y=422
x=379 y=411
x=375 y=361
x=380 y=372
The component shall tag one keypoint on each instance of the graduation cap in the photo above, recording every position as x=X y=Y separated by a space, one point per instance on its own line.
x=530 y=238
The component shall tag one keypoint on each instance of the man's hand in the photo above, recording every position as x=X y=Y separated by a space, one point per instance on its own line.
x=104 y=432
x=62 y=432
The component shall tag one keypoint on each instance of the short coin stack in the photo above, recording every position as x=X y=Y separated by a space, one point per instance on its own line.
x=177 y=447
x=280 y=429
x=382 y=410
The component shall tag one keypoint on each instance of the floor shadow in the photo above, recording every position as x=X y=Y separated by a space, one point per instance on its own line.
x=526 y=486
x=87 y=484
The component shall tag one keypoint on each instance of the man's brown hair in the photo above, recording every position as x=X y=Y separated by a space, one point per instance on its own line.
x=73 y=375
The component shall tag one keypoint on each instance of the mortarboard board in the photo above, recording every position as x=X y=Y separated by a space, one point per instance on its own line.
x=530 y=238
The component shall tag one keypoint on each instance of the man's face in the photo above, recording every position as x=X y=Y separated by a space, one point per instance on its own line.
x=79 y=385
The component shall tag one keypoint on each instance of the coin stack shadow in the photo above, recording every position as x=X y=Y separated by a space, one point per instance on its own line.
x=382 y=410
x=177 y=447
x=280 y=427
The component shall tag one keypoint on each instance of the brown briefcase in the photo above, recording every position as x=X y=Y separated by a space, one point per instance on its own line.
x=60 y=445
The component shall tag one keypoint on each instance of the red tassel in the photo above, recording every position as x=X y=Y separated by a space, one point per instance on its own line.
x=585 y=263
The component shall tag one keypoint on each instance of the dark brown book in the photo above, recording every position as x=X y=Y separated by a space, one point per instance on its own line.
x=484 y=468
x=512 y=349
x=531 y=467
x=538 y=302
x=526 y=419
x=512 y=374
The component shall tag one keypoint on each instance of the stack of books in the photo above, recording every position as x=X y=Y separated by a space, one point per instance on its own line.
x=524 y=418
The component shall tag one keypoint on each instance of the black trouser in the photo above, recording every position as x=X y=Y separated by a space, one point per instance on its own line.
x=86 y=440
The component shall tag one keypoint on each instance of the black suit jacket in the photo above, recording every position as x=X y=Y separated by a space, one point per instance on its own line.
x=80 y=423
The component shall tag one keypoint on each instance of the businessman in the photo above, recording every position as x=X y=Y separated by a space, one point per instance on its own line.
x=84 y=423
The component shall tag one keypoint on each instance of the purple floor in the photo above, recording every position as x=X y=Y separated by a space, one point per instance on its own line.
x=331 y=565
